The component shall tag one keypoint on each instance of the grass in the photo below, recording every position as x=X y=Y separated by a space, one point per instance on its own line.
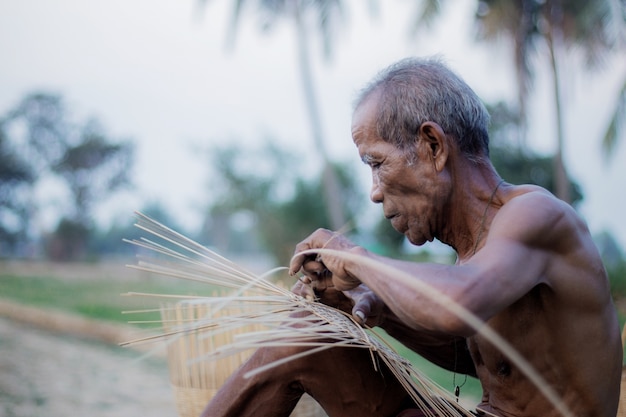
x=90 y=296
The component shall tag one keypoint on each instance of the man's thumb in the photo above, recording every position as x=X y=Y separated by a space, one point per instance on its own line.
x=361 y=311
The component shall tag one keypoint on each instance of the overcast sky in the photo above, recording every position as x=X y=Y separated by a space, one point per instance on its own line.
x=157 y=71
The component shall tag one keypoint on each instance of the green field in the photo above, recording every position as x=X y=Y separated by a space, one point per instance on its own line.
x=95 y=292
x=92 y=294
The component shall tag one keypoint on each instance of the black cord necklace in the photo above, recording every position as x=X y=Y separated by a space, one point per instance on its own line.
x=457 y=388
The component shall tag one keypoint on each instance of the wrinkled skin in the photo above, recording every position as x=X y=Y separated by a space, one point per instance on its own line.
x=526 y=266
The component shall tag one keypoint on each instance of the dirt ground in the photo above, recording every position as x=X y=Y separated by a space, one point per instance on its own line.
x=57 y=364
x=44 y=373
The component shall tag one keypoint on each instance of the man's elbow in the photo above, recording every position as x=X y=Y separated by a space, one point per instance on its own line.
x=456 y=324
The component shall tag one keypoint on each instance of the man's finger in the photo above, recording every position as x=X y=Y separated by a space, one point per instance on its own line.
x=296 y=264
x=359 y=316
x=303 y=288
x=361 y=310
x=316 y=240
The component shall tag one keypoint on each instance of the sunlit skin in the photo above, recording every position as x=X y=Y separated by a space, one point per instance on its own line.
x=526 y=265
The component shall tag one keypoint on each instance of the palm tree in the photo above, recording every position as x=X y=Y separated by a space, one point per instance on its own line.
x=559 y=26
x=327 y=14
x=616 y=125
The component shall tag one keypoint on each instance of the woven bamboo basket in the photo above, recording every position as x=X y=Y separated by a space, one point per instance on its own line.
x=195 y=381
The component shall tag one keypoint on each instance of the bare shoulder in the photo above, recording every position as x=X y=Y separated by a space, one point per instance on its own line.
x=550 y=229
x=532 y=215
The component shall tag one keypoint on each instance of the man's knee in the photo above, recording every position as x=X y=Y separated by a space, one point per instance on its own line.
x=288 y=359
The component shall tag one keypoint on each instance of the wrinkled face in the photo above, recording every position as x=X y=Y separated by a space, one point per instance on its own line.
x=408 y=191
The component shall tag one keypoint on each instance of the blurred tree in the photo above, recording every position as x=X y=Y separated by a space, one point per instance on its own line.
x=616 y=127
x=16 y=178
x=610 y=250
x=327 y=16
x=427 y=12
x=614 y=262
x=92 y=169
x=33 y=139
x=514 y=162
x=388 y=241
x=38 y=129
x=262 y=194
x=106 y=242
x=69 y=240
x=303 y=213
x=519 y=165
x=584 y=26
x=40 y=136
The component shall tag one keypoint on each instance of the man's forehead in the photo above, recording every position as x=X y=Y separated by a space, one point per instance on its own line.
x=364 y=118
x=372 y=147
x=367 y=108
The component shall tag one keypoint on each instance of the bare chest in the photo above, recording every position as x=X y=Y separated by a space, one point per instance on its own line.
x=526 y=328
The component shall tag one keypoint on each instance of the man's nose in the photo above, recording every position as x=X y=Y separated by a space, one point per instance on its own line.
x=376 y=195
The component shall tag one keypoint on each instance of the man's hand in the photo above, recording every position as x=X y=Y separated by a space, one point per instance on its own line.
x=365 y=307
x=320 y=267
x=319 y=291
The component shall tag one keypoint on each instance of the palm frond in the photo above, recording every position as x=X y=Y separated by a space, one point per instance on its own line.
x=615 y=128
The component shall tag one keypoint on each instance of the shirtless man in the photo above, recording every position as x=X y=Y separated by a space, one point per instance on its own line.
x=526 y=265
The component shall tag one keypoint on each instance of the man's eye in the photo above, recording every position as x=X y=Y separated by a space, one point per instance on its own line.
x=371 y=162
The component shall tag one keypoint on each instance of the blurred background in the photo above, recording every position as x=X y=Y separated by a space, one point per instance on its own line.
x=224 y=118
x=230 y=122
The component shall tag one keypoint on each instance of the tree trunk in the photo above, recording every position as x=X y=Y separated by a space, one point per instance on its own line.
x=330 y=182
x=562 y=183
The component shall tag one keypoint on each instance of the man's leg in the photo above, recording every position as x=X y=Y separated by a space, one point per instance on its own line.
x=342 y=380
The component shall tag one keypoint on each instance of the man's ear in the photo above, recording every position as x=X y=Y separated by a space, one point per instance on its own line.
x=437 y=144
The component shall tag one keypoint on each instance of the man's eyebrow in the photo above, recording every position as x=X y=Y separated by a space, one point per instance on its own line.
x=367 y=159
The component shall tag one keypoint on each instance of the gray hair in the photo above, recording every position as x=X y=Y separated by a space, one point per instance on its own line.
x=417 y=90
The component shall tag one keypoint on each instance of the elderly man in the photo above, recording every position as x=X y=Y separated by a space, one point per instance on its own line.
x=526 y=265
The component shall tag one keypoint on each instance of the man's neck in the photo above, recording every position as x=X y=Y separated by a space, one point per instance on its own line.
x=472 y=206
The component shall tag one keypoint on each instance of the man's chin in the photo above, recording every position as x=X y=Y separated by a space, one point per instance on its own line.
x=415 y=240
